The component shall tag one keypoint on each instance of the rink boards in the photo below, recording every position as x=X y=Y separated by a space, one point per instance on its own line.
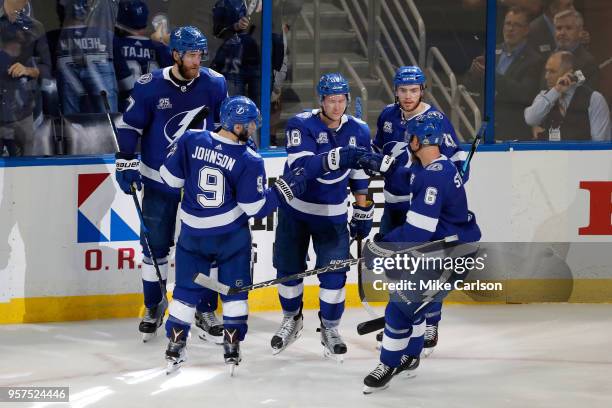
x=69 y=249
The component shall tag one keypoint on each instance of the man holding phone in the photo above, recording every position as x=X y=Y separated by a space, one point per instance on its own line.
x=568 y=110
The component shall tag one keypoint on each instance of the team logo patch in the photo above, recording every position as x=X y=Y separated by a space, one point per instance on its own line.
x=435 y=114
x=322 y=138
x=240 y=110
x=352 y=141
x=145 y=79
x=434 y=167
x=164 y=103
x=178 y=124
x=388 y=127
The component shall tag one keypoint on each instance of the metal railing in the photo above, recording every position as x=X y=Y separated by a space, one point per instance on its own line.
x=447 y=90
x=344 y=63
x=471 y=104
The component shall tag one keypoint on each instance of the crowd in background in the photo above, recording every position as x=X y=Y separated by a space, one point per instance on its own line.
x=51 y=76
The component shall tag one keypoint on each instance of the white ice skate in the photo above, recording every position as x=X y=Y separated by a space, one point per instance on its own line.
x=289 y=331
x=211 y=327
x=152 y=320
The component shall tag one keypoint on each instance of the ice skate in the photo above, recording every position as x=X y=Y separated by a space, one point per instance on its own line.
x=431 y=340
x=407 y=365
x=212 y=328
x=333 y=345
x=152 y=319
x=231 y=350
x=175 y=353
x=289 y=330
x=378 y=379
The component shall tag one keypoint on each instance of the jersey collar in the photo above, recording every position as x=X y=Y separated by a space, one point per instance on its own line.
x=427 y=107
x=343 y=119
x=166 y=73
x=222 y=139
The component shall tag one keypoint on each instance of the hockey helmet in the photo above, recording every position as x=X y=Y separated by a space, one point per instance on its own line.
x=188 y=38
x=239 y=110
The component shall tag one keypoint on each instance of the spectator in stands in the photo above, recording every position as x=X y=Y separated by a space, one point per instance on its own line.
x=568 y=110
x=568 y=28
x=85 y=60
x=24 y=59
x=542 y=28
x=238 y=57
x=141 y=54
x=517 y=73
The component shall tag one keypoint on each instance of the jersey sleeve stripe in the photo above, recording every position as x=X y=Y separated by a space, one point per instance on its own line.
x=291 y=158
x=459 y=156
x=333 y=181
x=215 y=221
x=122 y=125
x=322 y=210
x=150 y=173
x=170 y=179
x=252 y=208
x=358 y=175
x=393 y=199
x=421 y=221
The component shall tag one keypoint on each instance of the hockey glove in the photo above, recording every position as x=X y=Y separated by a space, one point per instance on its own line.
x=361 y=222
x=343 y=158
x=126 y=172
x=375 y=163
x=291 y=184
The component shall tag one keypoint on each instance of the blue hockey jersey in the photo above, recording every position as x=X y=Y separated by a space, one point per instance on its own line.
x=224 y=183
x=326 y=196
x=438 y=206
x=142 y=55
x=390 y=139
x=160 y=110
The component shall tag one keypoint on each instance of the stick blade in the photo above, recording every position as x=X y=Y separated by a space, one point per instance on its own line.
x=209 y=283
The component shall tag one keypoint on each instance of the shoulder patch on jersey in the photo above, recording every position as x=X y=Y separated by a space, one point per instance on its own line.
x=434 y=167
x=435 y=114
x=304 y=115
x=322 y=138
x=352 y=141
x=388 y=127
x=145 y=79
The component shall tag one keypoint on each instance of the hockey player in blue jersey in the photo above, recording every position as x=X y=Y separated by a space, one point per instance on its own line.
x=409 y=82
x=224 y=184
x=161 y=107
x=141 y=54
x=438 y=209
x=327 y=143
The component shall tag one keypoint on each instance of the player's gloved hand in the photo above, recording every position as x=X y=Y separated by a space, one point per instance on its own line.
x=375 y=163
x=291 y=184
x=343 y=158
x=361 y=221
x=126 y=172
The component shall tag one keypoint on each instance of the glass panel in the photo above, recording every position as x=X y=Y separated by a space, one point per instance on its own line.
x=552 y=72
x=68 y=51
x=367 y=41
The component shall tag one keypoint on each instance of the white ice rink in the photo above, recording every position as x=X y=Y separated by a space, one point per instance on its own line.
x=488 y=356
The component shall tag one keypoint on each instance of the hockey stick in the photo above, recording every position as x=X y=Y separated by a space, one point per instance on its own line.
x=477 y=139
x=251 y=6
x=207 y=282
x=362 y=296
x=199 y=117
